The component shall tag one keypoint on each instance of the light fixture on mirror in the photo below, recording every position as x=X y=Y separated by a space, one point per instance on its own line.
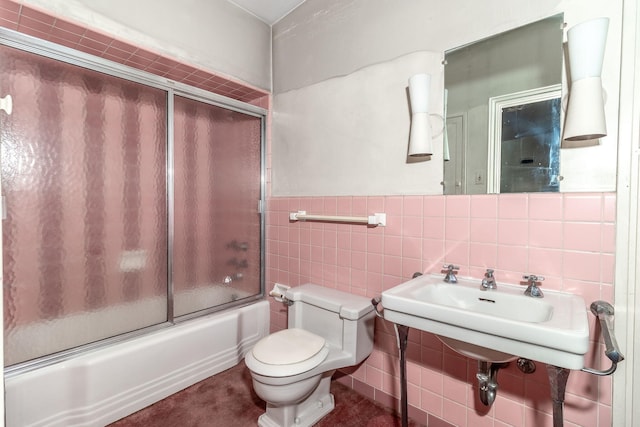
x=420 y=136
x=585 y=119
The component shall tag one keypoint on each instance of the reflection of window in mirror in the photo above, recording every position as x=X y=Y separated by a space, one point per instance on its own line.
x=524 y=139
x=530 y=147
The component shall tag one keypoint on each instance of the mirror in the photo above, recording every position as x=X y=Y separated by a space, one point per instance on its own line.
x=503 y=112
x=524 y=141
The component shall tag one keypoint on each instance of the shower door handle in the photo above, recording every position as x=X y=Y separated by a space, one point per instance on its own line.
x=6 y=104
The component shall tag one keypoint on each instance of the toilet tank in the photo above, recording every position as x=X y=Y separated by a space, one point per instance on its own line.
x=344 y=320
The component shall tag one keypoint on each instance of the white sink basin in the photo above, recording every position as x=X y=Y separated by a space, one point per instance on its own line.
x=495 y=325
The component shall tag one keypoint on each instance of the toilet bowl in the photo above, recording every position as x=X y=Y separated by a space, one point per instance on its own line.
x=291 y=369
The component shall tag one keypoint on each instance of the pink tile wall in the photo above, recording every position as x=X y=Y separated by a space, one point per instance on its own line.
x=40 y=24
x=568 y=238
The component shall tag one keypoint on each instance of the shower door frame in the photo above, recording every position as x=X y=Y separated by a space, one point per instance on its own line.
x=50 y=50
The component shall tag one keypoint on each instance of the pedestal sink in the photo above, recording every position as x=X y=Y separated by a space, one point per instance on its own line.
x=493 y=325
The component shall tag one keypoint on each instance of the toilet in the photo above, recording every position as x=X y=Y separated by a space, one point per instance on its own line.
x=292 y=369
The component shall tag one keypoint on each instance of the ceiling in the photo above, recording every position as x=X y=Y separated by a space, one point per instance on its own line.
x=270 y=11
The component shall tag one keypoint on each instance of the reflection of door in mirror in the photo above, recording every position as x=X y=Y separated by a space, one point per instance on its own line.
x=524 y=139
x=454 y=167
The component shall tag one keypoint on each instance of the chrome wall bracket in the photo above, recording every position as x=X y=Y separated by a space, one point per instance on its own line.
x=604 y=312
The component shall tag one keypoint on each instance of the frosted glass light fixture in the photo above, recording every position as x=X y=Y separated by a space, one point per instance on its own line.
x=585 y=112
x=420 y=136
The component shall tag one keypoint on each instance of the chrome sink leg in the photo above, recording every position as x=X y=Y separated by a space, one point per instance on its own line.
x=402 y=333
x=558 y=383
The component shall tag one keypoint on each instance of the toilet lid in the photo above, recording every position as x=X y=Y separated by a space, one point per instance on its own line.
x=287 y=347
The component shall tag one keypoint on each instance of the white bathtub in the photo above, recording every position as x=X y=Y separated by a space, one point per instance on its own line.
x=104 y=385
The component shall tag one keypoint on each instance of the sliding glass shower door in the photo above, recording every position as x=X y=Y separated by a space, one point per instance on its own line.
x=216 y=250
x=112 y=223
x=83 y=179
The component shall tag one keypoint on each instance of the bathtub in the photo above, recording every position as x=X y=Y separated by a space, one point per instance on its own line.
x=104 y=385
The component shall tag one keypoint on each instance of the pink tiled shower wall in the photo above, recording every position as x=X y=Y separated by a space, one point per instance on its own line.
x=568 y=238
x=40 y=24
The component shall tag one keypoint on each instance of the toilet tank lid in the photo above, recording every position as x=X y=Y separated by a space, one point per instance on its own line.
x=349 y=306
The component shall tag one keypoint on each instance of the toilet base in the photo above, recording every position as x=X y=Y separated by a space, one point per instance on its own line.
x=305 y=413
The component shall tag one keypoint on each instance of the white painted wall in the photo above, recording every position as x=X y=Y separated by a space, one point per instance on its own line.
x=326 y=39
x=626 y=384
x=349 y=135
x=213 y=34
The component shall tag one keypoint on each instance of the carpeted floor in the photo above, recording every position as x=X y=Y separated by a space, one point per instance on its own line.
x=227 y=399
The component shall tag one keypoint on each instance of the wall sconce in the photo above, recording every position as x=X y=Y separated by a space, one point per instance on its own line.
x=585 y=118
x=420 y=137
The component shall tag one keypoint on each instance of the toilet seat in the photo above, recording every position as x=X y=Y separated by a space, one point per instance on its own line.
x=288 y=346
x=286 y=353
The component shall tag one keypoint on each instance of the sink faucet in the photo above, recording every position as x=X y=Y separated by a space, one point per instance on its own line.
x=532 y=289
x=450 y=277
x=489 y=282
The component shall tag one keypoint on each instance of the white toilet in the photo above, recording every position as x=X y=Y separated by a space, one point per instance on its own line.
x=292 y=369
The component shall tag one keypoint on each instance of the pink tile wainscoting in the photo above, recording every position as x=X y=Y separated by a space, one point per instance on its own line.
x=568 y=238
